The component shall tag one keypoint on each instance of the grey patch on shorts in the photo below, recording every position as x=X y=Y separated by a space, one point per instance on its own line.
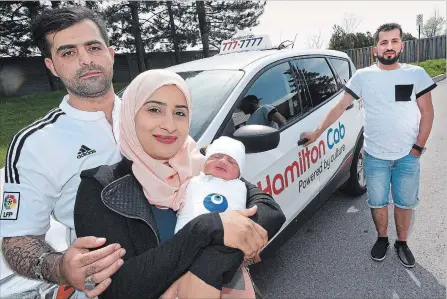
x=238 y=282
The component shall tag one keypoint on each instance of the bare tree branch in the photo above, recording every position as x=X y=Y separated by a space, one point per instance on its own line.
x=314 y=41
x=350 y=23
x=434 y=26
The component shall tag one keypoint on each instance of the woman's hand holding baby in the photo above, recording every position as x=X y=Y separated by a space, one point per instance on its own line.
x=243 y=233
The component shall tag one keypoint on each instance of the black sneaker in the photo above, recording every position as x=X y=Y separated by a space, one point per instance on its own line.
x=378 y=252
x=404 y=254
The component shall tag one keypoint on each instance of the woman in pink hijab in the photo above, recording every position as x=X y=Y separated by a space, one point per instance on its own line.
x=134 y=203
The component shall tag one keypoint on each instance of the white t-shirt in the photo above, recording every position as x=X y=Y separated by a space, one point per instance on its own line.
x=205 y=194
x=43 y=164
x=391 y=113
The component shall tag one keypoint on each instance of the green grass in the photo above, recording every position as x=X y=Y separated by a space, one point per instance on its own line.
x=433 y=67
x=19 y=111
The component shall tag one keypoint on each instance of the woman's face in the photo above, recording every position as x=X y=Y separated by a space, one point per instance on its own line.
x=162 y=123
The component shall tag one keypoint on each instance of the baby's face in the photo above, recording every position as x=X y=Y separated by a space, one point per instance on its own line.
x=222 y=166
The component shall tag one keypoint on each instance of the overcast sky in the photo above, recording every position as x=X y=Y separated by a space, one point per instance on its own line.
x=283 y=19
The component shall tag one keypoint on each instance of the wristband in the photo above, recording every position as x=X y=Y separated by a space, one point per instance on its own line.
x=38 y=271
x=420 y=149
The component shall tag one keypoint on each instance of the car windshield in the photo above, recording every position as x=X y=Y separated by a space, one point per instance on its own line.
x=209 y=91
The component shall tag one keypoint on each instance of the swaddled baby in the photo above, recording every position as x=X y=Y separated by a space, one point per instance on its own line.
x=216 y=189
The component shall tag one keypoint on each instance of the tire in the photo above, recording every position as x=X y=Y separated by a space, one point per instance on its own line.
x=356 y=184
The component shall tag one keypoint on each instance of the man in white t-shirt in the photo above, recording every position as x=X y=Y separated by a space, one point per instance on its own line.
x=44 y=160
x=398 y=117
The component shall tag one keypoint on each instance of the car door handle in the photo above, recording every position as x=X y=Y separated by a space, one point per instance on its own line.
x=302 y=141
x=350 y=106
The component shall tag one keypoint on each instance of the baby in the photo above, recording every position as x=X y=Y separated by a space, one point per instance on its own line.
x=218 y=188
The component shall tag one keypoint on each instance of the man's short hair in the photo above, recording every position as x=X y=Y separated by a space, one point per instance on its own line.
x=386 y=27
x=55 y=20
x=252 y=98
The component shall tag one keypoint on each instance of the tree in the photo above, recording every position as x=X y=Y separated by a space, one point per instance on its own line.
x=407 y=36
x=434 y=26
x=55 y=4
x=153 y=26
x=93 y=5
x=350 y=23
x=62 y=3
x=172 y=28
x=136 y=32
x=209 y=21
x=127 y=22
x=15 y=35
x=362 y=40
x=340 y=40
x=314 y=41
x=203 y=27
x=224 y=18
x=173 y=32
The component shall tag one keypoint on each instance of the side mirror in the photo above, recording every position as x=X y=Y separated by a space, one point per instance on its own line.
x=257 y=138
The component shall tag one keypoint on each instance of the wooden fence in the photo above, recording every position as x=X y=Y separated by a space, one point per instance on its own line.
x=429 y=48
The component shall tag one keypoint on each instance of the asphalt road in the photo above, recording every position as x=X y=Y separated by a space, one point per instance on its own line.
x=329 y=257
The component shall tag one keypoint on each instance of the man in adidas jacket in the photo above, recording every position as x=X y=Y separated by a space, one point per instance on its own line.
x=44 y=159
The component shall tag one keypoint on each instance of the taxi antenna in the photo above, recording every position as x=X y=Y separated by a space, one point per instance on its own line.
x=293 y=44
x=285 y=44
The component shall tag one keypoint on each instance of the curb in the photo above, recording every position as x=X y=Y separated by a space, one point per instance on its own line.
x=439 y=78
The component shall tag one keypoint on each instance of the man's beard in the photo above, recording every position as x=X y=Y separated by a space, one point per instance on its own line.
x=92 y=87
x=388 y=61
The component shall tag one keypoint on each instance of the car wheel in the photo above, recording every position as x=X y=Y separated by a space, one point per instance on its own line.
x=356 y=184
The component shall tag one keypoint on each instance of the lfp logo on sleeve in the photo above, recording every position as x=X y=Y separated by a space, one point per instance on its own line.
x=10 y=206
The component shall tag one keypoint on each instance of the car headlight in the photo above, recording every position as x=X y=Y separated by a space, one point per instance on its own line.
x=14 y=287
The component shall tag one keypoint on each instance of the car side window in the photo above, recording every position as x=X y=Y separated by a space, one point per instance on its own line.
x=319 y=78
x=341 y=67
x=272 y=100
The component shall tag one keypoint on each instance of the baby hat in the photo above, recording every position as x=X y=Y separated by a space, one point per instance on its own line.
x=228 y=146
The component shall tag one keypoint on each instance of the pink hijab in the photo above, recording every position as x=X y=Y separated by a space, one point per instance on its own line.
x=163 y=182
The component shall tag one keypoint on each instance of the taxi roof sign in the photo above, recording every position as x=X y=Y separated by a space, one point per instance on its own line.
x=249 y=42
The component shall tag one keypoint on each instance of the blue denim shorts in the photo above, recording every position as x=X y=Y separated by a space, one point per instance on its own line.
x=401 y=175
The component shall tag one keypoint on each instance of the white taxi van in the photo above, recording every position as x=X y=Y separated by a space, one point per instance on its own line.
x=299 y=85
x=302 y=86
